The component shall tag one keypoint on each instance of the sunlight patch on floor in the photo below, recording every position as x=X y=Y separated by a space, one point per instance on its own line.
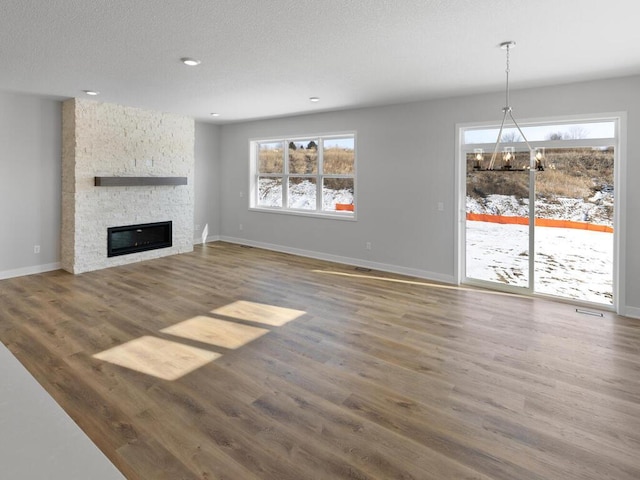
x=259 y=312
x=170 y=360
x=418 y=283
x=214 y=331
x=158 y=357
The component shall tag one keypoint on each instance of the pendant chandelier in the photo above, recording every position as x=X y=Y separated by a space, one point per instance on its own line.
x=508 y=154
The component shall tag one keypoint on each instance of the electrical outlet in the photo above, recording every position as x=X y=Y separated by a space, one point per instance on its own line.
x=240 y=227
x=36 y=249
x=440 y=206
x=367 y=246
x=197 y=226
x=241 y=194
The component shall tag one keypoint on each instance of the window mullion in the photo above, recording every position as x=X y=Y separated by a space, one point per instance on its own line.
x=319 y=174
x=285 y=174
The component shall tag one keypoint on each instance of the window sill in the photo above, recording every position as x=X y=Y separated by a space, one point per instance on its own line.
x=349 y=216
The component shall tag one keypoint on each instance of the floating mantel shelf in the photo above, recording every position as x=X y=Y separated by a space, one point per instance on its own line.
x=138 y=181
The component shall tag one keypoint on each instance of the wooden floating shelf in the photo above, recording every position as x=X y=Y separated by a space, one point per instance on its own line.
x=138 y=181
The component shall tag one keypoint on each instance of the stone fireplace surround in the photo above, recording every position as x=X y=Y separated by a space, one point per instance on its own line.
x=101 y=139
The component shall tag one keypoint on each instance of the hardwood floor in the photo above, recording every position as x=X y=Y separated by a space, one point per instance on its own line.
x=240 y=363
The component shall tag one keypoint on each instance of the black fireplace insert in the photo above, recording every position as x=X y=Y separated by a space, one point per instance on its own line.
x=138 y=238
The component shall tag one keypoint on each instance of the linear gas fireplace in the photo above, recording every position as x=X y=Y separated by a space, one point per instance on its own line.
x=138 y=238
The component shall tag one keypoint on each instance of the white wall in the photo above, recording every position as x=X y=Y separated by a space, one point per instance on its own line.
x=406 y=165
x=30 y=183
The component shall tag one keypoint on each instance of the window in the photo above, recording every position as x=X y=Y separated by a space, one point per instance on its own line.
x=546 y=230
x=305 y=175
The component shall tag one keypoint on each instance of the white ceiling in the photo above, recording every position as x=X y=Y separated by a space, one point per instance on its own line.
x=266 y=58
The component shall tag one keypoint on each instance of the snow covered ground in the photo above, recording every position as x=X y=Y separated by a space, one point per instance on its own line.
x=597 y=209
x=569 y=262
x=301 y=195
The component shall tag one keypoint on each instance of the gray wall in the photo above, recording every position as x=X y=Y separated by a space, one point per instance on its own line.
x=30 y=183
x=406 y=165
x=402 y=173
x=207 y=182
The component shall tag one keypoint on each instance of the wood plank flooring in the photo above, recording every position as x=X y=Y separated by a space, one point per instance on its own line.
x=240 y=363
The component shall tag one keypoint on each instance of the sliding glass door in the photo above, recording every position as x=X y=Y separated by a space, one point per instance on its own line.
x=542 y=221
x=574 y=206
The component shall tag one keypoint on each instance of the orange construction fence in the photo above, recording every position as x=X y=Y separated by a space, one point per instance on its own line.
x=540 y=222
x=344 y=206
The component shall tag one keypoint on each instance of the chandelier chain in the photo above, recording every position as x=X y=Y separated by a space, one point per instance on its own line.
x=507 y=105
x=507 y=111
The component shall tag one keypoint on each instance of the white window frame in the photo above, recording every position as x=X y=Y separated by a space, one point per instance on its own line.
x=620 y=182
x=254 y=175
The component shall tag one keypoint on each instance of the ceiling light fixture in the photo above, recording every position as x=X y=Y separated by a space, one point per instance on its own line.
x=215 y=114
x=192 y=62
x=93 y=93
x=314 y=99
x=508 y=155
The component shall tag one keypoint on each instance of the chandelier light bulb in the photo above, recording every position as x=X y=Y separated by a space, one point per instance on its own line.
x=539 y=157
x=477 y=164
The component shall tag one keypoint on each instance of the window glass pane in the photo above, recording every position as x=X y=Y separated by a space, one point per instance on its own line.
x=302 y=193
x=339 y=156
x=270 y=157
x=539 y=133
x=574 y=206
x=303 y=156
x=337 y=194
x=269 y=192
x=497 y=214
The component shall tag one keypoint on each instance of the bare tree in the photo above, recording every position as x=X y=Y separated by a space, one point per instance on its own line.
x=576 y=132
x=511 y=136
x=555 y=136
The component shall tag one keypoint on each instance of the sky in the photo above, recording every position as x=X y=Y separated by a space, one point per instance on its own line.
x=589 y=130
x=345 y=142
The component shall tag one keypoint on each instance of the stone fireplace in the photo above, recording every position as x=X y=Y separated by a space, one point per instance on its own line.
x=144 y=161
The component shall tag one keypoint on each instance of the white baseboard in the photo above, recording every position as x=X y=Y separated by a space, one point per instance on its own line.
x=632 y=312
x=21 y=272
x=357 y=262
x=210 y=238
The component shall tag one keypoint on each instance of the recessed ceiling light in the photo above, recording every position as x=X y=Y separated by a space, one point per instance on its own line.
x=314 y=99
x=215 y=114
x=192 y=62
x=93 y=93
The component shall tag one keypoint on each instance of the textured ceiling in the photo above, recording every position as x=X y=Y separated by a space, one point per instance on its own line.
x=266 y=58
